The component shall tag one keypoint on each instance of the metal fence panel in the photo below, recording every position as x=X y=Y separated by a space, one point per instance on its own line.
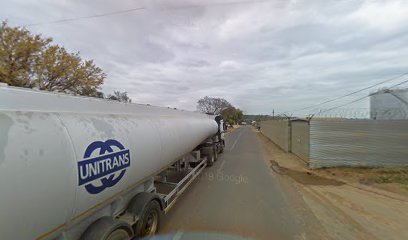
x=277 y=131
x=358 y=142
x=300 y=139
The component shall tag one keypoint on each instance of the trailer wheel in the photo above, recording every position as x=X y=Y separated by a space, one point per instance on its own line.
x=209 y=153
x=210 y=159
x=221 y=149
x=149 y=221
x=193 y=164
x=222 y=146
x=215 y=153
x=107 y=228
x=118 y=234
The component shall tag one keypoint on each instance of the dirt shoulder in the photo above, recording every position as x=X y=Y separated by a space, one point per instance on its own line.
x=392 y=182
x=350 y=203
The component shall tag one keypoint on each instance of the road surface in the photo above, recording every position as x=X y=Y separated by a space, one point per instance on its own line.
x=240 y=195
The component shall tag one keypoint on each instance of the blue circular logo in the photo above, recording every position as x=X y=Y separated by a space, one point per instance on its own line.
x=103 y=166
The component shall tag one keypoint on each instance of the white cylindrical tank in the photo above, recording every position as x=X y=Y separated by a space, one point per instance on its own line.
x=389 y=104
x=61 y=155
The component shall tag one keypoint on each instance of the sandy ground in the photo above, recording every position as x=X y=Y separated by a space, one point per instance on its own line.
x=346 y=210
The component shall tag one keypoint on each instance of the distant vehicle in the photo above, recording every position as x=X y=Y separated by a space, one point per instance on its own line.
x=243 y=123
x=93 y=169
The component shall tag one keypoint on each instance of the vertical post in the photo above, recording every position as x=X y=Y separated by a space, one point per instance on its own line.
x=290 y=135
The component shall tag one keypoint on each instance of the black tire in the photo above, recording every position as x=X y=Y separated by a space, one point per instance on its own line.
x=208 y=152
x=215 y=154
x=193 y=164
x=210 y=159
x=118 y=234
x=149 y=221
x=222 y=146
x=107 y=228
x=221 y=149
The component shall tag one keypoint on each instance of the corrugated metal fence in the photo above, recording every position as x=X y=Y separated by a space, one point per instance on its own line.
x=278 y=132
x=343 y=142
x=300 y=139
x=358 y=142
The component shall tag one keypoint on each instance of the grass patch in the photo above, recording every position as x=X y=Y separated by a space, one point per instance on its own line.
x=391 y=175
x=392 y=171
x=378 y=175
x=396 y=177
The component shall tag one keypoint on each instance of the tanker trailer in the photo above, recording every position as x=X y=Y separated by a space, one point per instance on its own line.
x=86 y=168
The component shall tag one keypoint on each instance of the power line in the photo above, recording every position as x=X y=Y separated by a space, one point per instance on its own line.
x=342 y=105
x=219 y=4
x=359 y=99
x=65 y=20
x=349 y=94
x=87 y=17
x=398 y=84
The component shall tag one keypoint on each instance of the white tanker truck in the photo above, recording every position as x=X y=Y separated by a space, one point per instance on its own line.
x=92 y=169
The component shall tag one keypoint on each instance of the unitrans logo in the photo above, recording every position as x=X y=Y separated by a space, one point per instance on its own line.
x=103 y=166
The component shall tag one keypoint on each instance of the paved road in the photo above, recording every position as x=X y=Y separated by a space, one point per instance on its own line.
x=238 y=195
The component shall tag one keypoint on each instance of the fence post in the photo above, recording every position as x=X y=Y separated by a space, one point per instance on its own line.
x=290 y=135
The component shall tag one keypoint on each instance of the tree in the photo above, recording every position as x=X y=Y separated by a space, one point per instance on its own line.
x=212 y=106
x=259 y=118
x=19 y=51
x=239 y=115
x=228 y=114
x=119 y=96
x=232 y=115
x=28 y=60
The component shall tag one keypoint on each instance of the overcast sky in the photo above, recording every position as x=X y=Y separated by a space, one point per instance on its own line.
x=259 y=55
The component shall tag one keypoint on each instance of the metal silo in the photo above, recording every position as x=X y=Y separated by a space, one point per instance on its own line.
x=387 y=104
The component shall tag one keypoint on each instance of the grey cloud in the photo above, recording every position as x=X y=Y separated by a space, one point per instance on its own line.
x=195 y=63
x=260 y=56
